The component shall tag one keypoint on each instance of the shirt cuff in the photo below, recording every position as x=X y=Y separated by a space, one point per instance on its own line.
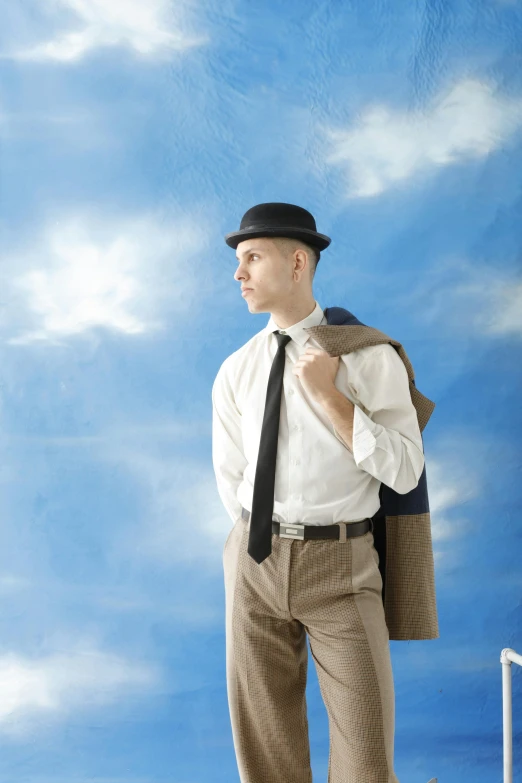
x=365 y=432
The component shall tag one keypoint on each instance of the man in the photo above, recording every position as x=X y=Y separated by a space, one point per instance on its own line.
x=301 y=443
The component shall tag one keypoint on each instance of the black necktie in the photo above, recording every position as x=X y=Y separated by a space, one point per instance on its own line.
x=260 y=538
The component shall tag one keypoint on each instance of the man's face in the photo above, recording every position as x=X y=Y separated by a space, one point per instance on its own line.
x=261 y=267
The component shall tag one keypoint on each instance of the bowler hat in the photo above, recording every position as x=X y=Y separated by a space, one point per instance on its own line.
x=277 y=219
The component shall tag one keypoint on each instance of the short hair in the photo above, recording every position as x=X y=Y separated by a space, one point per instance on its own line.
x=288 y=245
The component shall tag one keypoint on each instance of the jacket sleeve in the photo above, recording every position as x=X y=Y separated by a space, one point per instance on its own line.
x=387 y=441
x=227 y=443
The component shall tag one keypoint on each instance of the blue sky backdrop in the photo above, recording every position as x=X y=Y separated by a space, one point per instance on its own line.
x=134 y=136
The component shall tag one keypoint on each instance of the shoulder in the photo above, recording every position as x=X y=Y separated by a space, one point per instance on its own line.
x=383 y=352
x=375 y=363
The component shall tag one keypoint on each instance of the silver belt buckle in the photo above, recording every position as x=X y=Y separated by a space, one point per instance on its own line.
x=291 y=531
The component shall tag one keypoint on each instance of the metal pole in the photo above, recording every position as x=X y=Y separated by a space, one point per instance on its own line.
x=507 y=656
x=507 y=721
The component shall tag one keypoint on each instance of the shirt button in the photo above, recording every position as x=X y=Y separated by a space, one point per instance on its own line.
x=290 y=391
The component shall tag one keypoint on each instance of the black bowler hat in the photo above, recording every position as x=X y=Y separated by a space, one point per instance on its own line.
x=277 y=219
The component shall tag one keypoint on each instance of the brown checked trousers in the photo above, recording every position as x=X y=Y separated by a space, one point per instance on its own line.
x=330 y=590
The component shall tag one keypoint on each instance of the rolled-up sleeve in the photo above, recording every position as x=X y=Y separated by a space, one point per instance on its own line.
x=387 y=441
x=228 y=457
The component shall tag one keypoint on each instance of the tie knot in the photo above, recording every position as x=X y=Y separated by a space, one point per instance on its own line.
x=282 y=339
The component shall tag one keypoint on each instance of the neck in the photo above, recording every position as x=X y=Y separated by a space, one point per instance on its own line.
x=293 y=313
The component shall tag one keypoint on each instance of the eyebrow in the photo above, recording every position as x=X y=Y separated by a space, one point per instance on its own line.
x=250 y=250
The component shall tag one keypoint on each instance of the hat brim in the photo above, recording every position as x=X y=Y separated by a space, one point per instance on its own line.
x=320 y=241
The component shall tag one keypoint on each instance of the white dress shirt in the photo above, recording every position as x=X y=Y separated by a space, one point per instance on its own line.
x=318 y=480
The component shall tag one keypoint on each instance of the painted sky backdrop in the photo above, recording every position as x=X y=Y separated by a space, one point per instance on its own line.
x=133 y=137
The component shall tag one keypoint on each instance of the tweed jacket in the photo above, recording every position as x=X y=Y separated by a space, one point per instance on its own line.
x=402 y=525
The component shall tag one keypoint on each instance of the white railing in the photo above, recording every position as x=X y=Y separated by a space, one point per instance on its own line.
x=507 y=657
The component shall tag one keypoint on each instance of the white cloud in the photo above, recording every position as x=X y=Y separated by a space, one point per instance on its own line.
x=148 y=28
x=451 y=483
x=62 y=682
x=469 y=299
x=86 y=272
x=387 y=147
x=185 y=521
x=498 y=309
x=456 y=471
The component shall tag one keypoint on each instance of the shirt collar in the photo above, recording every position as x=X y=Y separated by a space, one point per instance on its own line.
x=297 y=331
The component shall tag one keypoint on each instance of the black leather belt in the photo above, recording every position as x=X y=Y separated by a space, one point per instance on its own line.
x=304 y=532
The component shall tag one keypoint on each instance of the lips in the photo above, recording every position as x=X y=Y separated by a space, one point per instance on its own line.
x=246 y=291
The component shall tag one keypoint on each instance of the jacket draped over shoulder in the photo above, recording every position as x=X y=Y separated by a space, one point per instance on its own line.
x=402 y=525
